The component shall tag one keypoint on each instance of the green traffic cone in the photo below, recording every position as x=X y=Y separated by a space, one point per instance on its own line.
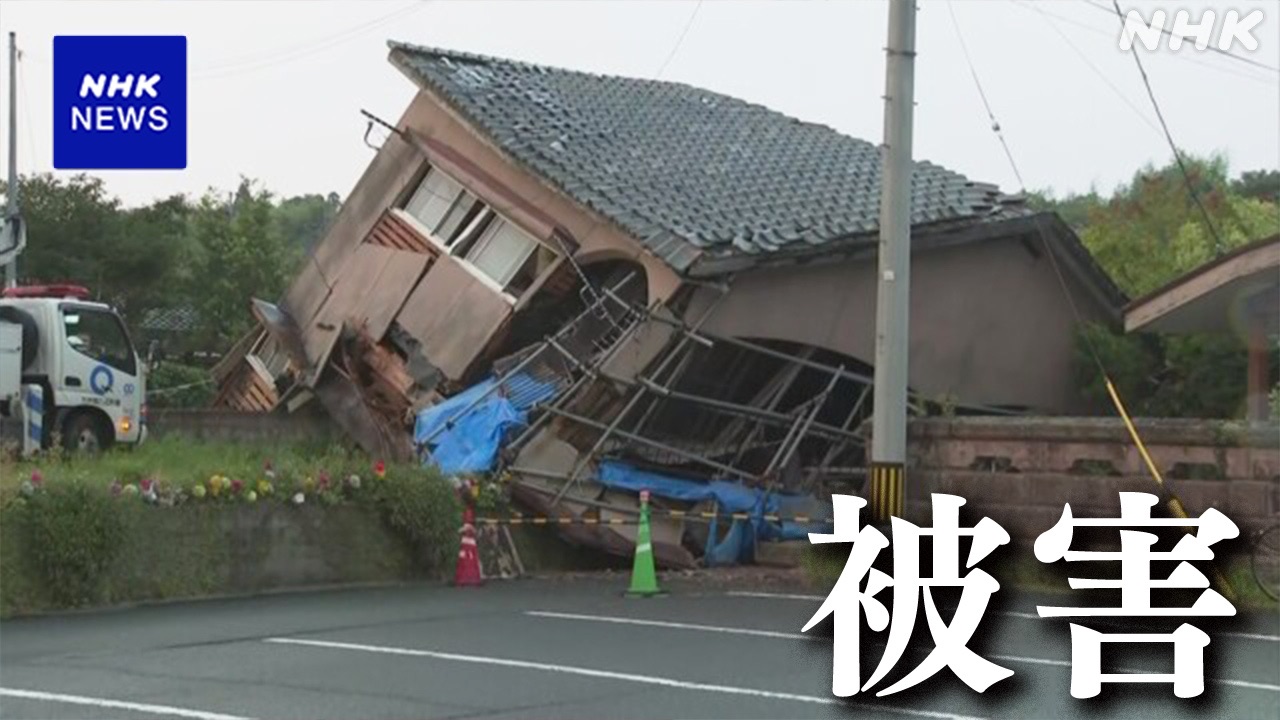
x=644 y=579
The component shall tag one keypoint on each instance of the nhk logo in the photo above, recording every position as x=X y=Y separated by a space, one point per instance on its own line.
x=1235 y=28
x=119 y=102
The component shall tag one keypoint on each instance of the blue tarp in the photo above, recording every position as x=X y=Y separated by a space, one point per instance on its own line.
x=739 y=544
x=465 y=443
x=469 y=442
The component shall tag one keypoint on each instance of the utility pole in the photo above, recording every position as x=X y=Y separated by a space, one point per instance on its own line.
x=12 y=225
x=893 y=295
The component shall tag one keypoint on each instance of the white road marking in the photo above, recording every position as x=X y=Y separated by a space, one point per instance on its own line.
x=777 y=596
x=1011 y=613
x=117 y=704
x=673 y=625
x=746 y=631
x=610 y=675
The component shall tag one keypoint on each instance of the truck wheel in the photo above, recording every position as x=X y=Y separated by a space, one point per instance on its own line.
x=84 y=433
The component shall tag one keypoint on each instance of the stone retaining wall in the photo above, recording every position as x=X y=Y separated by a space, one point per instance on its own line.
x=1020 y=471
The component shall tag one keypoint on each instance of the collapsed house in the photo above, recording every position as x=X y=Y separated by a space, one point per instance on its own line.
x=658 y=286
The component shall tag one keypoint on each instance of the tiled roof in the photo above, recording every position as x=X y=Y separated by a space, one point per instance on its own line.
x=692 y=174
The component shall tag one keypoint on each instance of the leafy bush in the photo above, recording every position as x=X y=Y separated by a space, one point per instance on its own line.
x=422 y=505
x=1164 y=376
x=73 y=533
x=77 y=531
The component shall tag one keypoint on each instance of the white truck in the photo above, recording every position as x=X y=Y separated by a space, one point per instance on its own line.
x=79 y=353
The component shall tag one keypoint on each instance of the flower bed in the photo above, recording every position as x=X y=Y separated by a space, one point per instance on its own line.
x=179 y=519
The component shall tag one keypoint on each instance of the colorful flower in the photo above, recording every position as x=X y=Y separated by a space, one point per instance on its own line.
x=379 y=469
x=250 y=496
x=298 y=498
x=353 y=481
x=236 y=486
x=37 y=479
x=264 y=487
x=28 y=488
x=198 y=492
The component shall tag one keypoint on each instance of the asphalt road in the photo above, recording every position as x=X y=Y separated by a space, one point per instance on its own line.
x=556 y=648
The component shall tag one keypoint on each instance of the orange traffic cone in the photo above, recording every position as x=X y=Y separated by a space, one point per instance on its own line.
x=468 y=571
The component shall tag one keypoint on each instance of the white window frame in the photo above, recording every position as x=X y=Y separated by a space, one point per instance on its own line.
x=497 y=221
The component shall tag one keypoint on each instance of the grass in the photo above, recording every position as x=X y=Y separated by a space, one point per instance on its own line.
x=183 y=463
x=84 y=537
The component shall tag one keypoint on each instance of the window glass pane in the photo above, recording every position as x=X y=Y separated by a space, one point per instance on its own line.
x=501 y=251
x=98 y=334
x=464 y=208
x=433 y=199
x=473 y=229
x=539 y=261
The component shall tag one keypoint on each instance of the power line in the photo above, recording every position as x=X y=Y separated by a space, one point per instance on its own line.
x=679 y=41
x=1173 y=503
x=1214 y=48
x=254 y=58
x=1096 y=71
x=1247 y=75
x=298 y=52
x=1048 y=251
x=995 y=125
x=1218 y=246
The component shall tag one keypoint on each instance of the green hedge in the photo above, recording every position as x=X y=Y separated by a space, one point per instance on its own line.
x=180 y=519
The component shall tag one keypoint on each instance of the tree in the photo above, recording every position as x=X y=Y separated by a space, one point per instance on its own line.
x=1073 y=209
x=303 y=220
x=1259 y=185
x=1146 y=234
x=78 y=233
x=241 y=256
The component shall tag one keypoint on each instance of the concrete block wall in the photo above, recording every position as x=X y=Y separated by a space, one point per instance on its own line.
x=220 y=425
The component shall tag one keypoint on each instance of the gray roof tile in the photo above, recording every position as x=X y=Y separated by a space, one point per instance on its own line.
x=693 y=174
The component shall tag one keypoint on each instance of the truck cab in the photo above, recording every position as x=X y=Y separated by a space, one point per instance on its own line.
x=80 y=353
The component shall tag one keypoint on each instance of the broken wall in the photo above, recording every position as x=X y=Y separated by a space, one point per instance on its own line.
x=989 y=322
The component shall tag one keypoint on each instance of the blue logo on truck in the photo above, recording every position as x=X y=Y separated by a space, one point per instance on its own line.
x=119 y=102
x=101 y=380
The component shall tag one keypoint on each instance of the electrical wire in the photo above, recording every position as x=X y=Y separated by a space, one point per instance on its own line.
x=1022 y=188
x=1037 y=7
x=995 y=125
x=1214 y=48
x=1218 y=246
x=679 y=41
x=1096 y=71
x=1172 y=502
x=297 y=52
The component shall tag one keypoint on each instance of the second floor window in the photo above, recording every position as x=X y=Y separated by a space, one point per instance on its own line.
x=468 y=228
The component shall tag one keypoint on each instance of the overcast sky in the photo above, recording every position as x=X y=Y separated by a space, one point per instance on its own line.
x=276 y=87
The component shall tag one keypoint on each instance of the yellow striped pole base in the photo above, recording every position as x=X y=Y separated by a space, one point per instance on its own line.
x=888 y=491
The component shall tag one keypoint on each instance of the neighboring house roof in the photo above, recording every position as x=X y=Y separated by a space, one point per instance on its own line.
x=174 y=319
x=706 y=181
x=1225 y=295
